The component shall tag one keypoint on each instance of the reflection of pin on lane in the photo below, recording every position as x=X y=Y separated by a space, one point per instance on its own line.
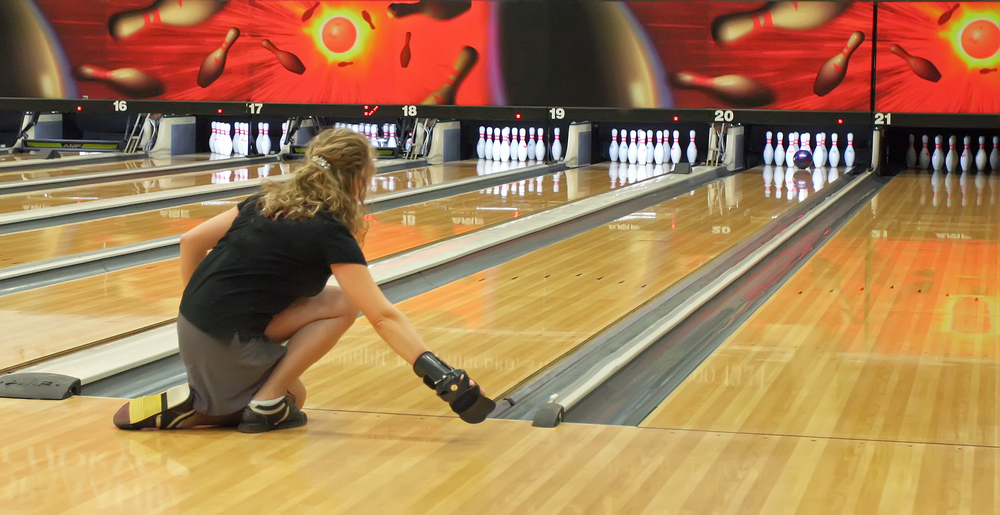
x=737 y=90
x=289 y=60
x=178 y=13
x=129 y=81
x=404 y=56
x=436 y=9
x=920 y=66
x=780 y=15
x=832 y=73
x=215 y=63
x=445 y=95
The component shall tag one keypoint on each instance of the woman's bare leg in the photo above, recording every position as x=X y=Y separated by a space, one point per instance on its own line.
x=312 y=327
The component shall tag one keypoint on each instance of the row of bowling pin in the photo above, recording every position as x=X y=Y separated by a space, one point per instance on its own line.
x=786 y=177
x=622 y=174
x=536 y=186
x=952 y=158
x=779 y=155
x=225 y=140
x=496 y=144
x=979 y=183
x=387 y=139
x=639 y=147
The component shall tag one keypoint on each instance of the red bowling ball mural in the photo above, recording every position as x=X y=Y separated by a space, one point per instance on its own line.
x=792 y=55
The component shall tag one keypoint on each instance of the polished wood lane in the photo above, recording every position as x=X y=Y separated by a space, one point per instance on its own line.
x=65 y=316
x=506 y=323
x=890 y=332
x=66 y=457
x=116 y=166
x=68 y=239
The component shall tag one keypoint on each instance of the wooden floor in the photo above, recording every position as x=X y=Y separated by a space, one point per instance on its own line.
x=108 y=166
x=58 y=318
x=64 y=240
x=889 y=333
x=65 y=457
x=506 y=323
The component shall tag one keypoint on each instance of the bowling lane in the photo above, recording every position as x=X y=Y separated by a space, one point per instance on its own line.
x=110 y=304
x=889 y=332
x=508 y=322
x=116 y=166
x=64 y=240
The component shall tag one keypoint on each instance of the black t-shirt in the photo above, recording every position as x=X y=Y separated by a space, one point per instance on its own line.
x=260 y=267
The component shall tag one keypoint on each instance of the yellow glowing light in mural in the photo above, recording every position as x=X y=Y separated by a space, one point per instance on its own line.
x=335 y=31
x=975 y=36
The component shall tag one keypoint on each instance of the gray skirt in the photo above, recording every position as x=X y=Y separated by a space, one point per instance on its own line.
x=224 y=376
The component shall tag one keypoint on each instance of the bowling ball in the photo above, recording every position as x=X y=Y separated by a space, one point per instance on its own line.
x=803 y=159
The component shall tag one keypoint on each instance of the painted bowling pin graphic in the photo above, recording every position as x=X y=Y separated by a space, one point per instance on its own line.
x=832 y=73
x=924 y=160
x=768 y=150
x=215 y=63
x=289 y=60
x=920 y=66
x=735 y=90
x=445 y=95
x=176 y=13
x=780 y=15
x=911 y=153
x=127 y=81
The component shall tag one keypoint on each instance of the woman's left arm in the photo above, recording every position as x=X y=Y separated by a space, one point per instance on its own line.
x=196 y=243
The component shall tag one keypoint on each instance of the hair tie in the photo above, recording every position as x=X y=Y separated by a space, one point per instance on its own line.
x=321 y=162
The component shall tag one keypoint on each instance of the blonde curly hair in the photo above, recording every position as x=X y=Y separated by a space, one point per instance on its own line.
x=334 y=179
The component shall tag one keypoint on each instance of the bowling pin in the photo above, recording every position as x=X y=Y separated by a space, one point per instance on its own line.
x=215 y=62
x=226 y=140
x=925 y=154
x=505 y=145
x=951 y=158
x=768 y=151
x=779 y=15
x=779 y=151
x=981 y=155
x=211 y=139
x=806 y=143
x=834 y=154
x=613 y=149
x=556 y=145
x=995 y=154
x=692 y=150
x=911 y=153
x=658 y=149
x=260 y=137
x=540 y=145
x=641 y=148
x=793 y=147
x=623 y=146
x=128 y=81
x=175 y=13
x=736 y=90
x=481 y=144
x=532 y=144
x=832 y=73
x=288 y=60
x=937 y=158
x=666 y=147
x=920 y=66
x=488 y=147
x=496 y=143
x=820 y=153
x=393 y=143
x=675 y=150
x=633 y=149
x=849 y=151
x=649 y=147
x=284 y=134
x=965 y=160
x=522 y=148
x=265 y=141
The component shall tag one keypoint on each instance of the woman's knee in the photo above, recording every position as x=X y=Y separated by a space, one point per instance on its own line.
x=337 y=304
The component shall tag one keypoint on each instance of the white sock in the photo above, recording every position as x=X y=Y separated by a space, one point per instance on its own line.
x=266 y=404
